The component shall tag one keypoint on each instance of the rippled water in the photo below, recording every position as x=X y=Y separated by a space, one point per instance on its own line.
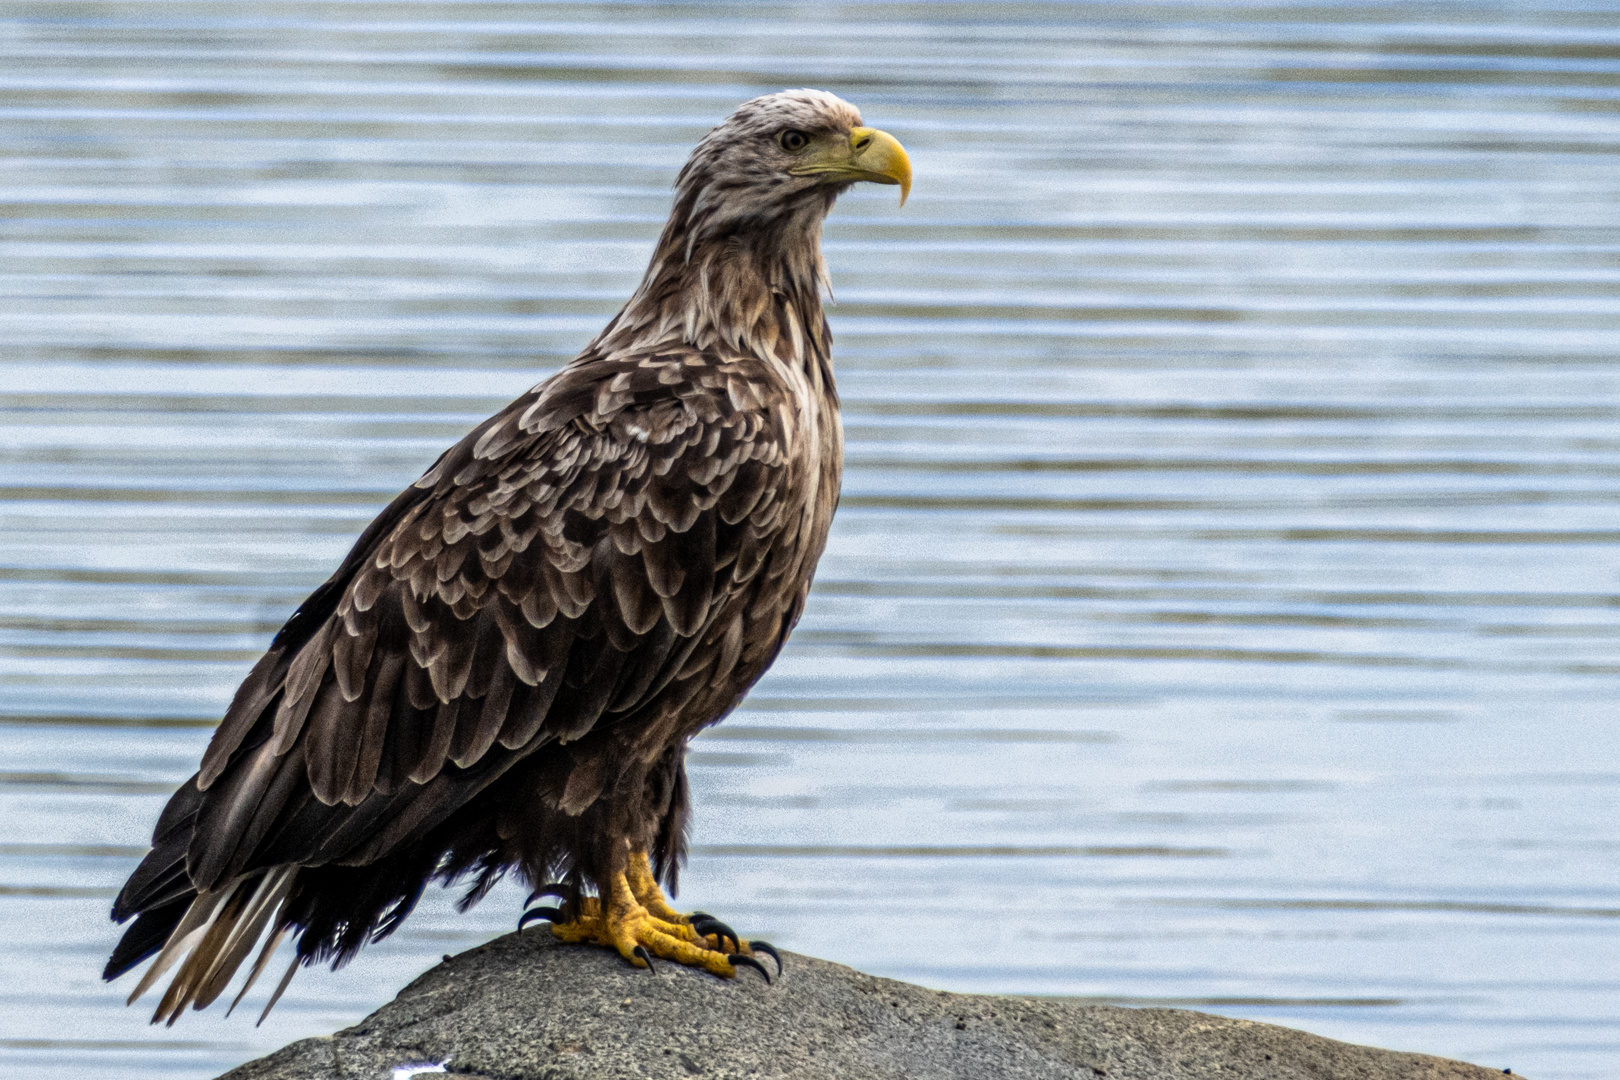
x=1224 y=606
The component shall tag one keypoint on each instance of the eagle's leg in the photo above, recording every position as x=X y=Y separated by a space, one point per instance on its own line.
x=638 y=872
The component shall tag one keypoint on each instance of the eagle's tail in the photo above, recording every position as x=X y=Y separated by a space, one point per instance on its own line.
x=212 y=939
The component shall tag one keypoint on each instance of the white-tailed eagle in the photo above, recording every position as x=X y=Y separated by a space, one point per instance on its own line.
x=506 y=670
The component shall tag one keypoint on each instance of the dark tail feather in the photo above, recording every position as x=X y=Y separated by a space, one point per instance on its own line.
x=147 y=936
x=161 y=877
x=159 y=891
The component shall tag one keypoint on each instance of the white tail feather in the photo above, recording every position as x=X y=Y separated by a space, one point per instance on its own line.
x=264 y=902
x=281 y=988
x=213 y=938
x=271 y=944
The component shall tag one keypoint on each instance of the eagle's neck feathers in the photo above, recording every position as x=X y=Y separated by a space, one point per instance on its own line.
x=754 y=290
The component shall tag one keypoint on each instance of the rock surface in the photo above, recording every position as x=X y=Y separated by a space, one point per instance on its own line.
x=524 y=1008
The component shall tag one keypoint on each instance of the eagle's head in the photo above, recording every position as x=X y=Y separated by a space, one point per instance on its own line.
x=780 y=161
x=740 y=260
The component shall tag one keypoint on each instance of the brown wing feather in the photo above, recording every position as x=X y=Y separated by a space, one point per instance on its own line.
x=560 y=564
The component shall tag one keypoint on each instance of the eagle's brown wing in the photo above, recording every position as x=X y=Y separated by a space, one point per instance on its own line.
x=565 y=562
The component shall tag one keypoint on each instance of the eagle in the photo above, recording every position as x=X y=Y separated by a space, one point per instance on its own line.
x=505 y=672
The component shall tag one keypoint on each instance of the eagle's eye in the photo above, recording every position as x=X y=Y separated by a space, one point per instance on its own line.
x=793 y=140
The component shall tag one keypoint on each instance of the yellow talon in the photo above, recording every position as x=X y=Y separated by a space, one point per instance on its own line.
x=647 y=893
x=636 y=920
x=629 y=928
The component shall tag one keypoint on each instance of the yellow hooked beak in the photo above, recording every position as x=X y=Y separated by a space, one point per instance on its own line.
x=869 y=154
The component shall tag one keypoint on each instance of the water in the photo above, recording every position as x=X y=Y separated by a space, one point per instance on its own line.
x=1224 y=606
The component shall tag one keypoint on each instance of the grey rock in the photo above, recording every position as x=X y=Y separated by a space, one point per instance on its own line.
x=525 y=1008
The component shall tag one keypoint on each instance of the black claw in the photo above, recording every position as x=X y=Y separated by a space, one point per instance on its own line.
x=714 y=926
x=641 y=951
x=748 y=961
x=696 y=915
x=550 y=914
x=555 y=888
x=769 y=950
